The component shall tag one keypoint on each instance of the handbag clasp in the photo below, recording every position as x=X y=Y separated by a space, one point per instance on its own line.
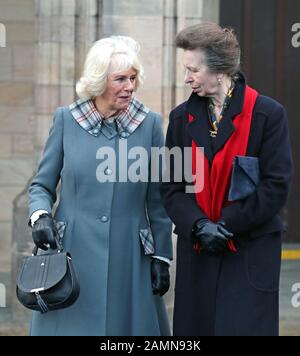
x=36 y=290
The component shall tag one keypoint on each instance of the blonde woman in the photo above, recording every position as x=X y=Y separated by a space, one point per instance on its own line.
x=115 y=229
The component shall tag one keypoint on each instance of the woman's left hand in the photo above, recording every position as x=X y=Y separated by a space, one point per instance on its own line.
x=160 y=276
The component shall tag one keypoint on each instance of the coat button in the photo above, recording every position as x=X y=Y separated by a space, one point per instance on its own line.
x=108 y=172
x=104 y=219
x=95 y=131
x=124 y=135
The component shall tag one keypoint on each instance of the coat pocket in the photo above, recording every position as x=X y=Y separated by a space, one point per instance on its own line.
x=263 y=262
x=147 y=241
x=269 y=227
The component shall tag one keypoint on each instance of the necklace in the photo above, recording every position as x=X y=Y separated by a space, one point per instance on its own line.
x=214 y=123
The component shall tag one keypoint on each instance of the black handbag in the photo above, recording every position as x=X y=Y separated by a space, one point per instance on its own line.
x=245 y=177
x=48 y=281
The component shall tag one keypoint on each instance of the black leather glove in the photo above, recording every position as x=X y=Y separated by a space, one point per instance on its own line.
x=44 y=232
x=160 y=276
x=213 y=237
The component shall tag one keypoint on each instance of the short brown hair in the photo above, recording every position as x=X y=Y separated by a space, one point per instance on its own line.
x=220 y=46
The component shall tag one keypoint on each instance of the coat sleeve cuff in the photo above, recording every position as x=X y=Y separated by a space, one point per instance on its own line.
x=35 y=216
x=163 y=259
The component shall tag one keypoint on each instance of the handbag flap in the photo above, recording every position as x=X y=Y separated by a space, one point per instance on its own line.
x=42 y=272
x=245 y=177
x=250 y=167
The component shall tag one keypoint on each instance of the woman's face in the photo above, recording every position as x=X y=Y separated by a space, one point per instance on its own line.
x=119 y=89
x=197 y=75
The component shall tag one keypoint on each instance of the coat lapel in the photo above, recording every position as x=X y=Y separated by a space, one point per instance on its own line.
x=226 y=127
x=199 y=128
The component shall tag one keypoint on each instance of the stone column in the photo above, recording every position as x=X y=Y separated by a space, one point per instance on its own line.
x=66 y=29
x=88 y=29
x=55 y=64
x=142 y=20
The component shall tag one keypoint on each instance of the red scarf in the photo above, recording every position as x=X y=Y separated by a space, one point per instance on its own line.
x=217 y=176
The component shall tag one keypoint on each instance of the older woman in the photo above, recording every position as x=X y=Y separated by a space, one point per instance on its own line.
x=229 y=233
x=115 y=228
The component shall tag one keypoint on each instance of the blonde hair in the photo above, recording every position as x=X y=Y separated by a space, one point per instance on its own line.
x=108 y=55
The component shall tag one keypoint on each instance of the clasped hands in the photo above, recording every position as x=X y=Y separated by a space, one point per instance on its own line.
x=213 y=237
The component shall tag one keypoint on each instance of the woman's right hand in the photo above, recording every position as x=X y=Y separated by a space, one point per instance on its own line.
x=44 y=232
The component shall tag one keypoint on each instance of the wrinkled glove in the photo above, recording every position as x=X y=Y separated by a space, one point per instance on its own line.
x=44 y=232
x=213 y=237
x=160 y=276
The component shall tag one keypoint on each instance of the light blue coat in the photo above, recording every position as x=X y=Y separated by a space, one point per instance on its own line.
x=104 y=226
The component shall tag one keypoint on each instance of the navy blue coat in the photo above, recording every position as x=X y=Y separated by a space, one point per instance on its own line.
x=235 y=293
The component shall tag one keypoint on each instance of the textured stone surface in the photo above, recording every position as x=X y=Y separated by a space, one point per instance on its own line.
x=68 y=7
x=145 y=29
x=67 y=95
x=48 y=8
x=19 y=33
x=23 y=63
x=48 y=66
x=16 y=94
x=7 y=195
x=15 y=172
x=22 y=145
x=5 y=146
x=67 y=64
x=151 y=98
x=6 y=64
x=5 y=246
x=56 y=29
x=46 y=98
x=43 y=124
x=16 y=120
x=191 y=8
x=133 y=8
x=17 y=10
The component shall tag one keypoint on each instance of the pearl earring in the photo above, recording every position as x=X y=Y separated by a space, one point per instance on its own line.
x=219 y=81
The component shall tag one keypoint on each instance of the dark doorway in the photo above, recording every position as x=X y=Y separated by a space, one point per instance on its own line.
x=271 y=62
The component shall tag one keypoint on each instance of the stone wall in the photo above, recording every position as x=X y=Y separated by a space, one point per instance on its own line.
x=16 y=112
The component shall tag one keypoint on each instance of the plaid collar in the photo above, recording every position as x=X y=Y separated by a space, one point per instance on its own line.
x=87 y=116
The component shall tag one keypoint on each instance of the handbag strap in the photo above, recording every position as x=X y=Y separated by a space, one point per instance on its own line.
x=58 y=245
